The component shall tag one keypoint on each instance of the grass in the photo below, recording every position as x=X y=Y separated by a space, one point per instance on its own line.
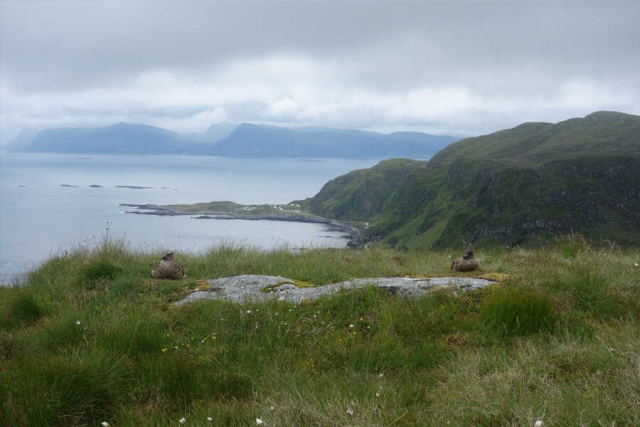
x=91 y=337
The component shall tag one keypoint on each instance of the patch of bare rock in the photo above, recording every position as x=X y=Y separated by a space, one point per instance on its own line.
x=258 y=288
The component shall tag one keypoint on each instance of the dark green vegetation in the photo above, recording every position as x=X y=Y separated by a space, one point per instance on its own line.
x=521 y=185
x=91 y=338
x=362 y=194
x=227 y=140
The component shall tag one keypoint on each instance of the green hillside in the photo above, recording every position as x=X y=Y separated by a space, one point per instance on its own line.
x=599 y=134
x=360 y=194
x=521 y=185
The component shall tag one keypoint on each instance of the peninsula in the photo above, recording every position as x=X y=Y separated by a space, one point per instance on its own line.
x=227 y=210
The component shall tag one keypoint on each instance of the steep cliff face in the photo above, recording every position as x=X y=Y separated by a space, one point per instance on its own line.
x=517 y=186
x=594 y=196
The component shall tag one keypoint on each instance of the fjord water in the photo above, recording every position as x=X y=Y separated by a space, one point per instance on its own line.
x=50 y=203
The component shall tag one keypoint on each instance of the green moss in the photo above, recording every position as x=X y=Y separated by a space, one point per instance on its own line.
x=296 y=283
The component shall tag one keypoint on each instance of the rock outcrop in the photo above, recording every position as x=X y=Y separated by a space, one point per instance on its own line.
x=249 y=287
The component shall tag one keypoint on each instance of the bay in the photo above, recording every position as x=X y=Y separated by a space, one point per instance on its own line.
x=50 y=203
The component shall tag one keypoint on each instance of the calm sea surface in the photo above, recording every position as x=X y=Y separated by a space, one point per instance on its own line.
x=48 y=204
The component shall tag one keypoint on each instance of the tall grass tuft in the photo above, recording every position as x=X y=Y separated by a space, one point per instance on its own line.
x=175 y=380
x=97 y=272
x=75 y=388
x=19 y=308
x=123 y=287
x=62 y=331
x=131 y=336
x=518 y=312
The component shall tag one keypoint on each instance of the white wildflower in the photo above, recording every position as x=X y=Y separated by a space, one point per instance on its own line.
x=351 y=325
x=637 y=265
x=104 y=424
x=272 y=407
x=209 y=419
x=183 y=420
x=77 y=322
x=538 y=423
x=349 y=411
x=377 y=394
x=259 y=421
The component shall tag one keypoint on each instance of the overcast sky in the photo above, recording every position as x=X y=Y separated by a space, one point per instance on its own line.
x=455 y=67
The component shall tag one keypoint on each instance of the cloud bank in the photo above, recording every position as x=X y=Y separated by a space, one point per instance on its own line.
x=465 y=67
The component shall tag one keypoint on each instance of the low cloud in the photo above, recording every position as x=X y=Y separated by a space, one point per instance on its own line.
x=458 y=68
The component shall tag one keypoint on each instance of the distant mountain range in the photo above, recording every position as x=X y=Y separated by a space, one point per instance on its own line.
x=229 y=140
x=522 y=185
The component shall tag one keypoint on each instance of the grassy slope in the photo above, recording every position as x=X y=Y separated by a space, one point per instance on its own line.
x=601 y=133
x=91 y=338
x=361 y=194
x=515 y=186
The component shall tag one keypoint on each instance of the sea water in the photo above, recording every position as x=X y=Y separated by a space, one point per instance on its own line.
x=51 y=203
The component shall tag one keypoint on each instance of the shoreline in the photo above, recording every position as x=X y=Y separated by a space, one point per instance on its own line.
x=232 y=211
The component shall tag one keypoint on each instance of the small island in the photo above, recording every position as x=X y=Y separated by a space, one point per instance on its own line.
x=133 y=187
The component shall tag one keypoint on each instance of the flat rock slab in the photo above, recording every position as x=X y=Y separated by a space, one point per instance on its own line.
x=251 y=287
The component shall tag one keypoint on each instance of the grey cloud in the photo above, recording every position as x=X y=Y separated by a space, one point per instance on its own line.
x=501 y=61
x=95 y=42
